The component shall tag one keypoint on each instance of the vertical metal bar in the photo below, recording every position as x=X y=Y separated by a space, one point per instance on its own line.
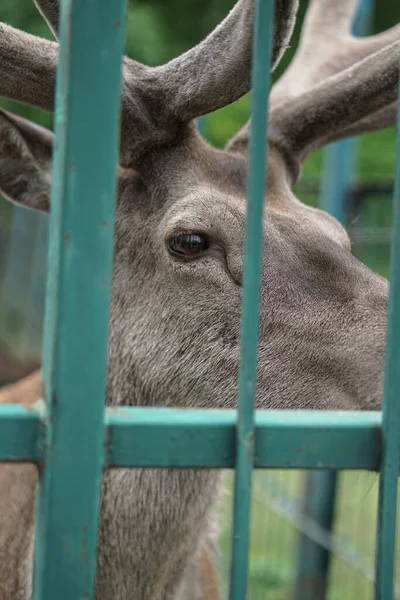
x=78 y=296
x=362 y=24
x=390 y=465
x=339 y=158
x=262 y=52
x=337 y=177
x=313 y=560
x=202 y=126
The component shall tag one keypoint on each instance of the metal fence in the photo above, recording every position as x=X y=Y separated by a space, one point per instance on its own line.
x=341 y=550
x=75 y=396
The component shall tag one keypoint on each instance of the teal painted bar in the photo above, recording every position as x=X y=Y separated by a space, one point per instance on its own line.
x=337 y=177
x=388 y=482
x=262 y=55
x=198 y=438
x=202 y=126
x=312 y=579
x=20 y=434
x=340 y=158
x=283 y=439
x=80 y=269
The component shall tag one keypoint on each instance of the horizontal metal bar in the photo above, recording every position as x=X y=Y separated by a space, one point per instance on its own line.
x=19 y=434
x=165 y=437
x=170 y=438
x=297 y=439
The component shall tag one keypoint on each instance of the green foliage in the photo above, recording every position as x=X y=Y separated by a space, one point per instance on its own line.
x=145 y=35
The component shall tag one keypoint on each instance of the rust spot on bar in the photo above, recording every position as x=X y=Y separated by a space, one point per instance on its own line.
x=113 y=465
x=249 y=442
x=67 y=238
x=120 y=412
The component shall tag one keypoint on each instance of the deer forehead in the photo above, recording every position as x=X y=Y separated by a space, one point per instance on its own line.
x=208 y=208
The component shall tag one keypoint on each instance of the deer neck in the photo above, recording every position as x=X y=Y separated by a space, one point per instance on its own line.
x=153 y=524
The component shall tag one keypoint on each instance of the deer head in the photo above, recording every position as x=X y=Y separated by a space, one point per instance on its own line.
x=181 y=210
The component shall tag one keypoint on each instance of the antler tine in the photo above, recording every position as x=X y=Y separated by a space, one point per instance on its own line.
x=381 y=119
x=50 y=11
x=326 y=23
x=340 y=105
x=327 y=26
x=27 y=68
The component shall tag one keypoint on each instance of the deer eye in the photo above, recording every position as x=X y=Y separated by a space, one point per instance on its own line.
x=187 y=244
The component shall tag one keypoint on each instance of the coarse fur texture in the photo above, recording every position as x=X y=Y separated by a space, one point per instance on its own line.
x=174 y=324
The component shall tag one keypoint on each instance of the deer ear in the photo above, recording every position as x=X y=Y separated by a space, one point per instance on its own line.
x=25 y=162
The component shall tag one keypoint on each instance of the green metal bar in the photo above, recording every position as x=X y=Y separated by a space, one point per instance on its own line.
x=314 y=559
x=339 y=158
x=202 y=123
x=388 y=482
x=283 y=439
x=337 y=179
x=262 y=56
x=80 y=265
x=206 y=438
x=20 y=434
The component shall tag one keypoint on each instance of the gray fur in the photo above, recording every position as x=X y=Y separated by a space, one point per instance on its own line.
x=174 y=326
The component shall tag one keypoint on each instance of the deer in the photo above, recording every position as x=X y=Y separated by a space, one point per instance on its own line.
x=175 y=313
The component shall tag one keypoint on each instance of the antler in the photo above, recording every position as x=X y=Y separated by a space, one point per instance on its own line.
x=156 y=102
x=27 y=68
x=336 y=86
x=326 y=48
x=50 y=11
x=382 y=119
x=329 y=109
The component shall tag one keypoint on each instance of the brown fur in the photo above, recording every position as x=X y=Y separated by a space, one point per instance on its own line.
x=175 y=324
x=17 y=485
x=209 y=579
x=25 y=392
x=12 y=369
